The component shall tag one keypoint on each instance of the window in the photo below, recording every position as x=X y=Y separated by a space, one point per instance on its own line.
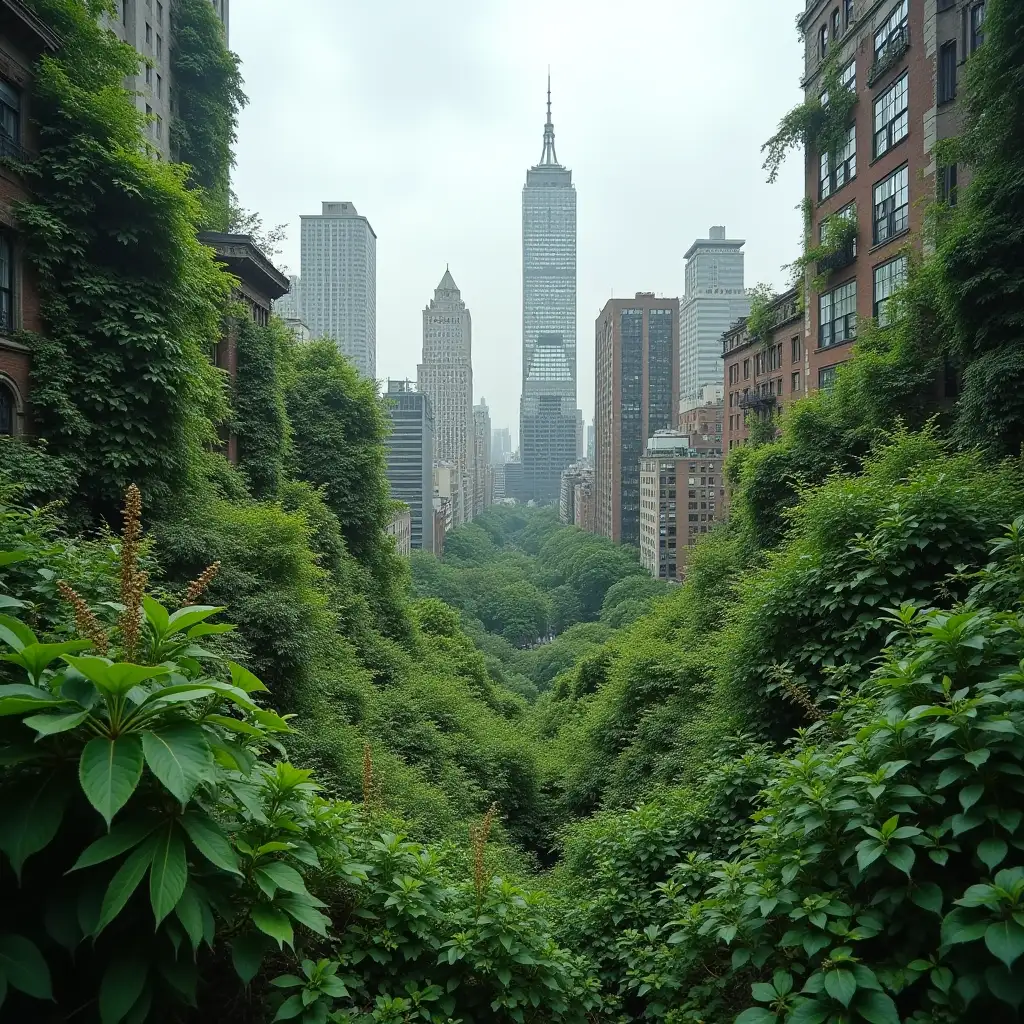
x=124 y=12
x=977 y=26
x=947 y=72
x=837 y=171
x=835 y=24
x=159 y=47
x=947 y=185
x=159 y=14
x=6 y=409
x=7 y=323
x=823 y=42
x=746 y=369
x=827 y=377
x=149 y=75
x=848 y=212
x=895 y=25
x=848 y=5
x=888 y=277
x=838 y=315
x=892 y=206
x=10 y=112
x=796 y=349
x=847 y=78
x=149 y=34
x=794 y=385
x=891 y=119
x=159 y=85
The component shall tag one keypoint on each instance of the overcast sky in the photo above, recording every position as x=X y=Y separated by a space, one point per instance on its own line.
x=427 y=115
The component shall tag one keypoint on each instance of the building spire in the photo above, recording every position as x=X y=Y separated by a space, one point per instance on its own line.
x=548 y=157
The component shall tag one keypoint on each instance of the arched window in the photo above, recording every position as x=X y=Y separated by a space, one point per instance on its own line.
x=8 y=409
x=835 y=24
x=823 y=41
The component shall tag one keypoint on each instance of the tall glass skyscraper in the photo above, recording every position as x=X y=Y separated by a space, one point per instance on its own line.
x=548 y=407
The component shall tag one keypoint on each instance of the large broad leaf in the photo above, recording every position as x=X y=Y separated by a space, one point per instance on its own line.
x=10 y=557
x=189 y=912
x=36 y=658
x=1005 y=940
x=168 y=873
x=122 y=837
x=756 y=1015
x=186 y=618
x=156 y=615
x=305 y=913
x=275 y=874
x=121 y=987
x=115 y=678
x=209 y=840
x=109 y=771
x=244 y=679
x=179 y=756
x=23 y=966
x=125 y=882
x=6 y=601
x=840 y=984
x=273 y=922
x=247 y=953
x=61 y=721
x=29 y=820
x=877 y=1007
x=291 y=1008
x=15 y=633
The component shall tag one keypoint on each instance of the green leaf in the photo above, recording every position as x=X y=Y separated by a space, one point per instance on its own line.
x=878 y=1008
x=782 y=981
x=1007 y=986
x=186 y=618
x=15 y=705
x=6 y=601
x=189 y=911
x=247 y=953
x=901 y=858
x=122 y=837
x=763 y=992
x=928 y=896
x=156 y=615
x=957 y=927
x=244 y=679
x=115 y=679
x=305 y=913
x=123 y=982
x=273 y=922
x=281 y=876
x=970 y=795
x=125 y=881
x=29 y=821
x=809 y=1012
x=15 y=633
x=50 y=725
x=10 y=557
x=840 y=984
x=35 y=658
x=210 y=841
x=23 y=966
x=179 y=756
x=290 y=1008
x=109 y=770
x=992 y=852
x=1005 y=941
x=867 y=855
x=756 y=1015
x=168 y=874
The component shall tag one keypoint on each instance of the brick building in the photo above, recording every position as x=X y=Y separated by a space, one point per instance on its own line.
x=636 y=394
x=23 y=38
x=761 y=376
x=702 y=423
x=902 y=59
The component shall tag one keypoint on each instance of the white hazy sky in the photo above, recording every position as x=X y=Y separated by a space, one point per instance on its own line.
x=427 y=115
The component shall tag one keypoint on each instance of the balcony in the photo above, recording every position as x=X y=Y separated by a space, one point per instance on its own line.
x=757 y=402
x=837 y=260
x=898 y=44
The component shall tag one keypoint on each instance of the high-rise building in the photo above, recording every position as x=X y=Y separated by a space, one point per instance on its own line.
x=146 y=25
x=339 y=282
x=410 y=452
x=548 y=405
x=483 y=476
x=904 y=62
x=714 y=299
x=501 y=445
x=590 y=443
x=636 y=394
x=289 y=306
x=675 y=476
x=445 y=375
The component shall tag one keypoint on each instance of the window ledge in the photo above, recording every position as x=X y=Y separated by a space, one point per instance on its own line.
x=891 y=149
x=838 y=344
x=881 y=245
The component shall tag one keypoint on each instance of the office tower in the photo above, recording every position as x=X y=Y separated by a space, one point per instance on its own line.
x=637 y=394
x=410 y=452
x=581 y=436
x=715 y=299
x=482 y=487
x=445 y=375
x=289 y=306
x=146 y=25
x=501 y=445
x=590 y=443
x=548 y=404
x=339 y=282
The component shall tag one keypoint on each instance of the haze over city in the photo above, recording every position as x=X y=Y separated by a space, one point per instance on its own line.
x=428 y=118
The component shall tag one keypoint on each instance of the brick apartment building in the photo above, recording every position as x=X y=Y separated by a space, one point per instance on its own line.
x=23 y=38
x=761 y=376
x=636 y=394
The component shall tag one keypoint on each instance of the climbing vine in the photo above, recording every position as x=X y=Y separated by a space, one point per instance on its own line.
x=208 y=96
x=762 y=316
x=820 y=124
x=122 y=386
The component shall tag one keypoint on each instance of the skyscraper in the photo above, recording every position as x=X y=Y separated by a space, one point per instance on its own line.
x=548 y=405
x=446 y=376
x=339 y=282
x=636 y=395
x=482 y=489
x=715 y=299
x=411 y=458
x=501 y=445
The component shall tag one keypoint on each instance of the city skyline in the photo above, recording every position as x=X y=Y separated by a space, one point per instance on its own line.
x=430 y=143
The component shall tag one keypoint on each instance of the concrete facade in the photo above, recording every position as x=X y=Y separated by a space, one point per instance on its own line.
x=410 y=458
x=400 y=528
x=483 y=488
x=338 y=270
x=636 y=394
x=714 y=299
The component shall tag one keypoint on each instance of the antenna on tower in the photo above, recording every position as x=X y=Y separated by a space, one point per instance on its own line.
x=548 y=156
